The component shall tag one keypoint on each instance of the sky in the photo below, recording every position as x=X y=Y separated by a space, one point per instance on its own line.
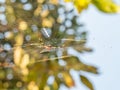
x=104 y=37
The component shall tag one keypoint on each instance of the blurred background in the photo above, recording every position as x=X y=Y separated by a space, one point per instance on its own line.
x=104 y=35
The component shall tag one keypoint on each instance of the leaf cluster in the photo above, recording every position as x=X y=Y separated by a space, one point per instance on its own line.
x=35 y=38
x=107 y=6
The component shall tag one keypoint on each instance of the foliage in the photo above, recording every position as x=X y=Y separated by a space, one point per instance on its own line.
x=35 y=38
x=107 y=6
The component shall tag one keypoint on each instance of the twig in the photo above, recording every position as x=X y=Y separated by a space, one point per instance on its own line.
x=62 y=57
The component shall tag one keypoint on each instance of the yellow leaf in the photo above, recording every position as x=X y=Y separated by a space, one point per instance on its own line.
x=67 y=0
x=46 y=87
x=25 y=71
x=22 y=25
x=68 y=80
x=107 y=6
x=17 y=55
x=81 y=4
x=46 y=23
x=32 y=86
x=25 y=61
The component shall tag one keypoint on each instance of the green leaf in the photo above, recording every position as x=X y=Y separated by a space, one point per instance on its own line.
x=91 y=69
x=86 y=82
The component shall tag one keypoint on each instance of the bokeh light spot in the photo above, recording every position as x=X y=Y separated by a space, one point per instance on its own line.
x=2 y=1
x=9 y=76
x=2 y=9
x=7 y=47
x=1 y=35
x=27 y=6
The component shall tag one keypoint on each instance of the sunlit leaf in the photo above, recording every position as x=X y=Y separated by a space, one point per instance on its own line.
x=22 y=25
x=68 y=79
x=46 y=87
x=67 y=0
x=32 y=86
x=107 y=6
x=80 y=4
